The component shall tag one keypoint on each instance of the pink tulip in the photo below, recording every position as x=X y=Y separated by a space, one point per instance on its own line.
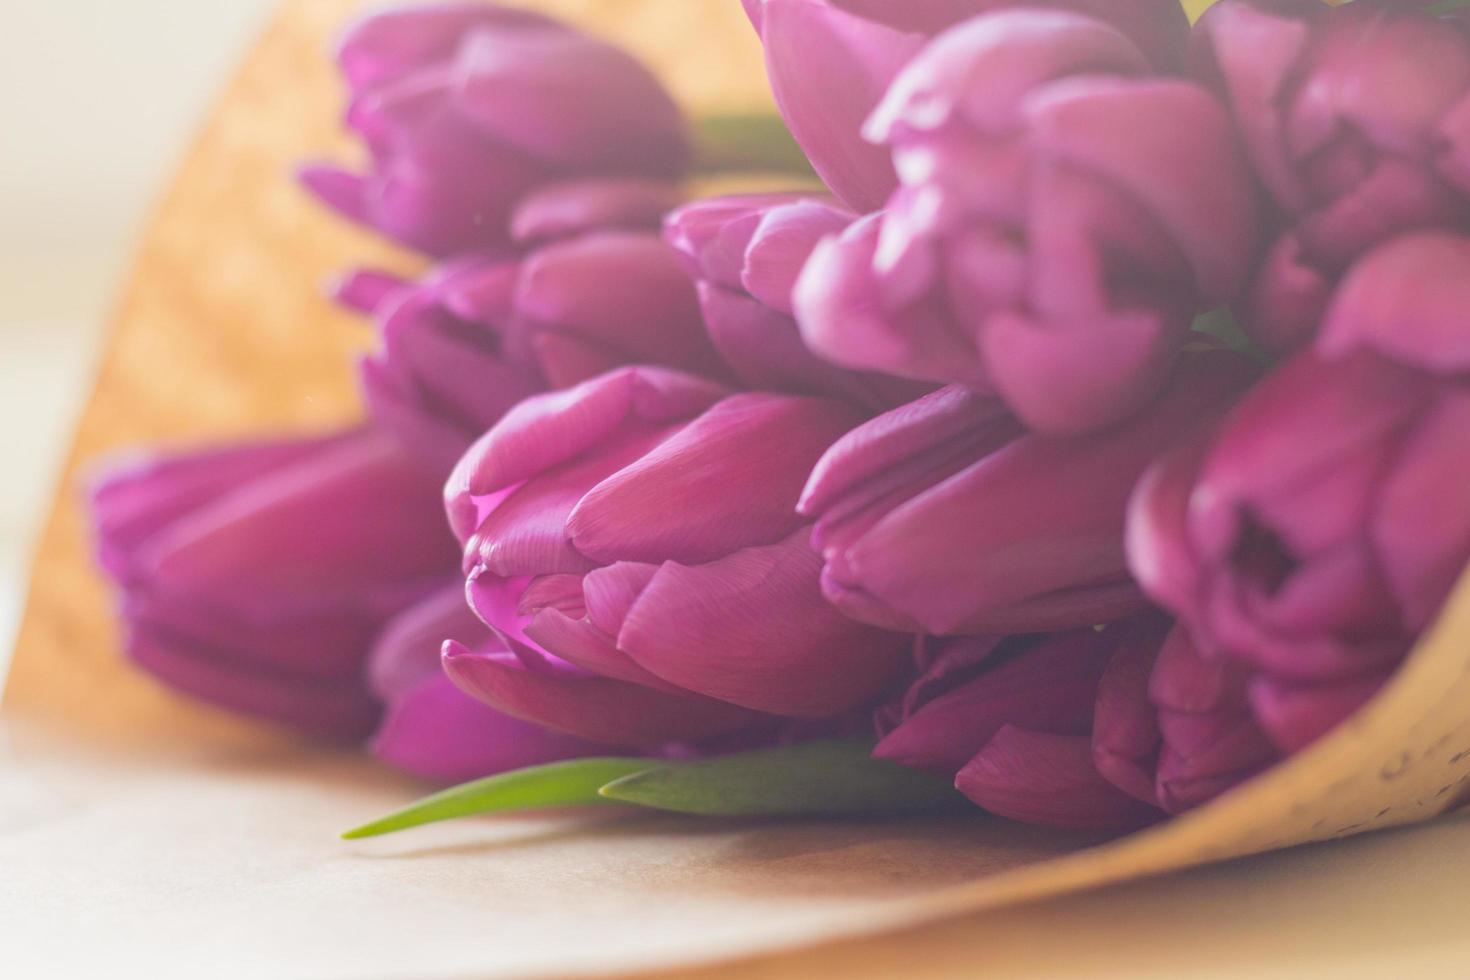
x=432 y=728
x=467 y=107
x=1011 y=719
x=1159 y=27
x=256 y=576
x=1319 y=532
x=1357 y=119
x=483 y=331
x=1172 y=728
x=745 y=253
x=945 y=517
x=633 y=542
x=1063 y=215
x=865 y=43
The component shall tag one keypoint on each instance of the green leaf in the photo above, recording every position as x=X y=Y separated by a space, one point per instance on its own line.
x=1222 y=325
x=824 y=777
x=748 y=143
x=572 y=783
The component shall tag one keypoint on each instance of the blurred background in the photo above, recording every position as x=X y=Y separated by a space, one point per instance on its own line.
x=97 y=99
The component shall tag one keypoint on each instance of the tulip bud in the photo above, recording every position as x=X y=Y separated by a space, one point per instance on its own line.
x=1010 y=721
x=633 y=542
x=1318 y=534
x=745 y=253
x=1173 y=728
x=256 y=576
x=944 y=516
x=1061 y=218
x=467 y=107
x=482 y=332
x=1357 y=119
x=865 y=43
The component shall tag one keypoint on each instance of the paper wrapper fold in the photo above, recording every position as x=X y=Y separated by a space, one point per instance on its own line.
x=124 y=806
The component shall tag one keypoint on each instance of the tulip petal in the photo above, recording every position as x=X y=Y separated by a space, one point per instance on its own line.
x=527 y=533
x=570 y=100
x=336 y=514
x=435 y=731
x=596 y=708
x=752 y=629
x=1125 y=728
x=781 y=244
x=407 y=649
x=578 y=207
x=1050 y=688
x=335 y=709
x=389 y=43
x=554 y=428
x=1406 y=301
x=622 y=290
x=1421 y=531
x=137 y=497
x=1294 y=716
x=1049 y=780
x=675 y=503
x=808 y=44
x=579 y=642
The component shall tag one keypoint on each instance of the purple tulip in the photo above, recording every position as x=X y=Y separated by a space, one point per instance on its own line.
x=1173 y=728
x=1318 y=534
x=865 y=43
x=432 y=728
x=1011 y=721
x=478 y=334
x=256 y=576
x=467 y=107
x=745 y=253
x=633 y=541
x=1159 y=27
x=1063 y=216
x=1357 y=119
x=944 y=516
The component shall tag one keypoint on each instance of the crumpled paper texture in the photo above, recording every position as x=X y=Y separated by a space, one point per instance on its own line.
x=127 y=808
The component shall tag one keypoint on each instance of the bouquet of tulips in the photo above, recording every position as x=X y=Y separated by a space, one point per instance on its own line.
x=1096 y=437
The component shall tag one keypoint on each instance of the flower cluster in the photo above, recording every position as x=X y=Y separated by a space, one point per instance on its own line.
x=942 y=457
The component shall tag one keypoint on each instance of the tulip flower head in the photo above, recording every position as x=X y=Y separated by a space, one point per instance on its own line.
x=256 y=576
x=1011 y=721
x=1318 y=533
x=465 y=108
x=945 y=516
x=634 y=543
x=595 y=289
x=745 y=253
x=1357 y=120
x=1062 y=215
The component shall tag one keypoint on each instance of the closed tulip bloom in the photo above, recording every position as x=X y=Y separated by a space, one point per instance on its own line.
x=481 y=332
x=256 y=576
x=944 y=516
x=1173 y=728
x=1357 y=119
x=634 y=543
x=865 y=43
x=1318 y=534
x=1011 y=720
x=745 y=253
x=1062 y=217
x=467 y=107
x=433 y=729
